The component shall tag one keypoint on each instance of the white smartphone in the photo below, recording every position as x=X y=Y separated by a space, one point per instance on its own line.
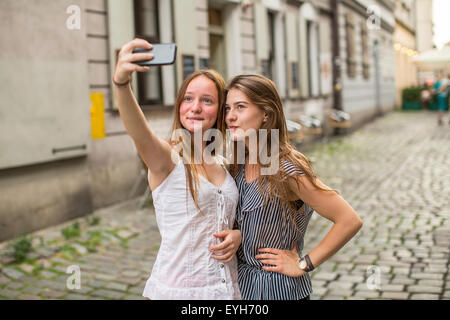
x=164 y=54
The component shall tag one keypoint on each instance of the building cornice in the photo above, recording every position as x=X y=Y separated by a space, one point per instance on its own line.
x=405 y=26
x=361 y=10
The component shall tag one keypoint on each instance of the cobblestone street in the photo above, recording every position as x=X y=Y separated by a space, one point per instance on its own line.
x=395 y=172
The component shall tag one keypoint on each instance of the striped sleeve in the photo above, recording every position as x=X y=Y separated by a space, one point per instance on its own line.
x=291 y=169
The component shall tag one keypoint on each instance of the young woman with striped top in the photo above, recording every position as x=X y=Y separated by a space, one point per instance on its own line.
x=274 y=210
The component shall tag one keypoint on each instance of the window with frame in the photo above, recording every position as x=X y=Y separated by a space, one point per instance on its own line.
x=147 y=27
x=350 y=41
x=267 y=66
x=365 y=50
x=217 y=58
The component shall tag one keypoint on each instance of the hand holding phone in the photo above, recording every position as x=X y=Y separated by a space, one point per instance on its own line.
x=163 y=54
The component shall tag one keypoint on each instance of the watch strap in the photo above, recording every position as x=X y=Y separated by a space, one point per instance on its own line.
x=309 y=263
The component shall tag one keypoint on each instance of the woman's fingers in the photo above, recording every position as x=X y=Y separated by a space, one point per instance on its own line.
x=227 y=244
x=223 y=257
x=130 y=67
x=273 y=269
x=272 y=262
x=140 y=57
x=135 y=43
x=133 y=57
x=270 y=250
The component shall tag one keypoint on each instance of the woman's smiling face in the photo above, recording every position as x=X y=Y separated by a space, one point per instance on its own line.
x=200 y=105
x=242 y=114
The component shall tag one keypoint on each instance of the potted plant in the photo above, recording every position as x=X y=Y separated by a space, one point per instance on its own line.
x=411 y=98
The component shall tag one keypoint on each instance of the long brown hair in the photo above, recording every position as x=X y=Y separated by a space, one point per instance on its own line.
x=190 y=168
x=262 y=92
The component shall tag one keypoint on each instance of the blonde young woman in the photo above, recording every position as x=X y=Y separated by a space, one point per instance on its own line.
x=274 y=210
x=194 y=203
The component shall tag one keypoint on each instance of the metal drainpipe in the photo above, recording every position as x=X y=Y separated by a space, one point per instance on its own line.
x=337 y=81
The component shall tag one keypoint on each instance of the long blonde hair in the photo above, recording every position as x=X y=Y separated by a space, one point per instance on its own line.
x=262 y=92
x=190 y=168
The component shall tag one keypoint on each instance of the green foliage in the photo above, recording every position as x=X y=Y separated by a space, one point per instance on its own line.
x=411 y=94
x=21 y=247
x=95 y=238
x=72 y=231
x=68 y=252
x=93 y=221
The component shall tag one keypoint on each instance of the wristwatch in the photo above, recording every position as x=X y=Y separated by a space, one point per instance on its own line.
x=305 y=264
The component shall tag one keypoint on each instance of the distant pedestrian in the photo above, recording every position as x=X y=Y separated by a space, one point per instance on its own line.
x=194 y=203
x=441 y=90
x=425 y=96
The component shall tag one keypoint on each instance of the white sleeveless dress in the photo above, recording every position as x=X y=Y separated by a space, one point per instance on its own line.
x=184 y=268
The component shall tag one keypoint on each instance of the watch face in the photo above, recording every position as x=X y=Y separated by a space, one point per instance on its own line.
x=302 y=264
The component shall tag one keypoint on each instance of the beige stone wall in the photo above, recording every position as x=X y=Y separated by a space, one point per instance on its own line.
x=406 y=71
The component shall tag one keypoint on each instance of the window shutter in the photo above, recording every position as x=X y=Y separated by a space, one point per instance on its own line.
x=120 y=31
x=185 y=37
x=292 y=54
x=261 y=35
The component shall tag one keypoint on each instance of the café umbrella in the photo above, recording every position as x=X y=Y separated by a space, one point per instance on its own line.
x=434 y=60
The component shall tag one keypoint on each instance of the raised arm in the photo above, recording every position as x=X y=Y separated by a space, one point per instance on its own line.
x=155 y=152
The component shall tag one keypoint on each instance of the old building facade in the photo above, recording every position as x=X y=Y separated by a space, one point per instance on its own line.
x=65 y=151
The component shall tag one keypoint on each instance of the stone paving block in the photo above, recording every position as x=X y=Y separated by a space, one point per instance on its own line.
x=131 y=273
x=52 y=294
x=367 y=294
x=109 y=294
x=136 y=290
x=395 y=295
x=116 y=286
x=105 y=277
x=431 y=276
x=355 y=298
x=28 y=297
x=320 y=291
x=48 y=274
x=340 y=292
x=402 y=280
x=129 y=281
x=393 y=287
x=319 y=283
x=345 y=267
x=12 y=273
x=15 y=285
x=424 y=296
x=325 y=276
x=32 y=290
x=75 y=296
x=4 y=280
x=51 y=284
x=430 y=282
x=424 y=289
x=28 y=268
x=352 y=278
x=134 y=297
x=330 y=297
x=340 y=285
x=400 y=271
x=8 y=294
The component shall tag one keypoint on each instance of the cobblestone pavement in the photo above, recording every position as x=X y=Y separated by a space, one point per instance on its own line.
x=394 y=171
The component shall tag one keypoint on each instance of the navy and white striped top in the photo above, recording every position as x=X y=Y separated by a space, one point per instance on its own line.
x=266 y=227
